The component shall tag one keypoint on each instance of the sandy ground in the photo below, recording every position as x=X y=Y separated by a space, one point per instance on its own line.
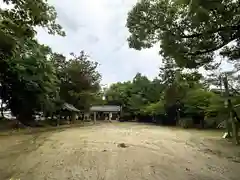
x=96 y=153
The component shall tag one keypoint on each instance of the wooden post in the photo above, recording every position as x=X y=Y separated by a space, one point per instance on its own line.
x=95 y=117
x=73 y=117
x=58 y=120
x=237 y=130
x=121 y=112
x=110 y=116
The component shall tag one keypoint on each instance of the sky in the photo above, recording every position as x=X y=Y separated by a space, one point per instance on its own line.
x=98 y=28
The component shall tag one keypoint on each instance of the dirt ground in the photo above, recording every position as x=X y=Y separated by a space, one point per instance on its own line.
x=119 y=151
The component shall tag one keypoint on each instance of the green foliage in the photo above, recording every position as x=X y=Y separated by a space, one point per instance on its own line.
x=190 y=32
x=33 y=79
x=160 y=97
x=216 y=106
x=79 y=81
x=157 y=108
x=29 y=82
x=145 y=97
x=177 y=83
x=27 y=76
x=197 y=101
x=135 y=95
x=19 y=20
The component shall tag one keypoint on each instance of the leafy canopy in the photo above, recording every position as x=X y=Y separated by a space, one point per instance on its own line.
x=79 y=81
x=33 y=79
x=19 y=20
x=189 y=31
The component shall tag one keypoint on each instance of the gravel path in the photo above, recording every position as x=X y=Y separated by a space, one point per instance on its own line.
x=118 y=151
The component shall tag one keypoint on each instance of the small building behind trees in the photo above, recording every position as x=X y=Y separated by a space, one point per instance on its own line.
x=106 y=111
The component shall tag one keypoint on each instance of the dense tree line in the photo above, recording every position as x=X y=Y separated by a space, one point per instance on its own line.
x=33 y=78
x=173 y=95
x=192 y=34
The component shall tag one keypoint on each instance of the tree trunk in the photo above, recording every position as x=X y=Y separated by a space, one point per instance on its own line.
x=225 y=82
x=73 y=117
x=234 y=129
x=58 y=120
x=2 y=110
x=237 y=132
x=232 y=113
x=178 y=118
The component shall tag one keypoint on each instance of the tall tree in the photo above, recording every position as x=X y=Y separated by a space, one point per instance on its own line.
x=27 y=76
x=30 y=83
x=134 y=96
x=80 y=80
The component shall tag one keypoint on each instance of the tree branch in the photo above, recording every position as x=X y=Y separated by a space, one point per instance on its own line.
x=232 y=28
x=200 y=52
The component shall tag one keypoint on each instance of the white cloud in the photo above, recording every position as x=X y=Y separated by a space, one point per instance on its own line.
x=98 y=27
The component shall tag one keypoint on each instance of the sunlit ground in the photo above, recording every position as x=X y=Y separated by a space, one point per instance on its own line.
x=119 y=151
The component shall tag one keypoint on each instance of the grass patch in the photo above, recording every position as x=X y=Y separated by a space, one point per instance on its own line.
x=46 y=128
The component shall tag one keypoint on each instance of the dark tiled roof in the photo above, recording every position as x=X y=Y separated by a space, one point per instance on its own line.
x=106 y=108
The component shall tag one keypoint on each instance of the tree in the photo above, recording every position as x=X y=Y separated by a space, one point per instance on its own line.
x=197 y=101
x=27 y=76
x=142 y=97
x=19 y=20
x=135 y=96
x=80 y=81
x=153 y=109
x=190 y=32
x=30 y=83
x=33 y=79
x=177 y=82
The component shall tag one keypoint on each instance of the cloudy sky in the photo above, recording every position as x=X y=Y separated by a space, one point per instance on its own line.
x=98 y=27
